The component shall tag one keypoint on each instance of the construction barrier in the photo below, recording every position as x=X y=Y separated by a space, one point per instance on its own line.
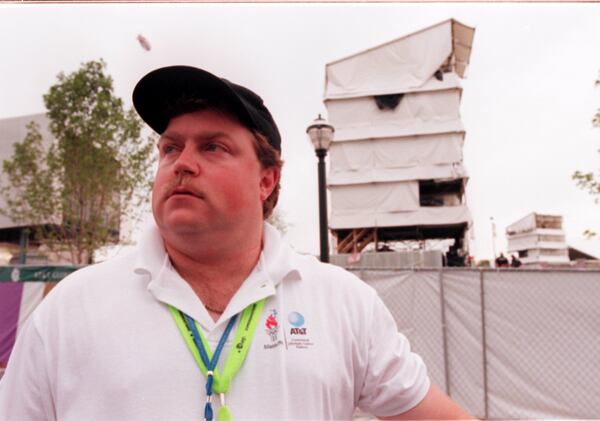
x=505 y=344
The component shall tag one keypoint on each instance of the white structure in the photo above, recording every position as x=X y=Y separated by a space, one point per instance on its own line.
x=14 y=130
x=13 y=234
x=538 y=239
x=396 y=169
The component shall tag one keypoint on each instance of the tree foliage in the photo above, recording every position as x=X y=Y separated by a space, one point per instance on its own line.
x=97 y=169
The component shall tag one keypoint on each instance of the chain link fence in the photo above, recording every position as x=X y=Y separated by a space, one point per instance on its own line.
x=504 y=344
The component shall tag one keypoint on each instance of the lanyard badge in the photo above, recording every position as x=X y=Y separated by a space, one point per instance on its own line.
x=207 y=360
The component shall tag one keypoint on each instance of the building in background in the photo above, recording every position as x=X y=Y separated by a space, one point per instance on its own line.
x=16 y=239
x=396 y=168
x=538 y=240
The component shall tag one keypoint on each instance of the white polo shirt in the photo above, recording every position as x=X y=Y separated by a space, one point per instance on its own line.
x=103 y=345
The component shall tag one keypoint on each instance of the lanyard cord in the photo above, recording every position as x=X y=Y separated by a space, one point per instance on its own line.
x=209 y=363
x=198 y=346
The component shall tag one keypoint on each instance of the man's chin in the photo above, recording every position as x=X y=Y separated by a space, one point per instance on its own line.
x=185 y=225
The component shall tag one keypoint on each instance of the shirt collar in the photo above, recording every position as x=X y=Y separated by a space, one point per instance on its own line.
x=276 y=264
x=151 y=254
x=278 y=256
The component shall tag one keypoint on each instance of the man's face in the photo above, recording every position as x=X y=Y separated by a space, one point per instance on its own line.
x=209 y=178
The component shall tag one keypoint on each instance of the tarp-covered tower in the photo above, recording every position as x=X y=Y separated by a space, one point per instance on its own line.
x=396 y=168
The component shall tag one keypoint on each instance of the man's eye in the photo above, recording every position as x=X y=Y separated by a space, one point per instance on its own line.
x=214 y=147
x=167 y=149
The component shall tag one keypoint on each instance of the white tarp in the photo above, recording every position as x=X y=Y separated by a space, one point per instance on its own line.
x=401 y=65
x=381 y=175
x=381 y=197
x=417 y=113
x=378 y=151
x=462 y=41
x=394 y=129
x=433 y=216
x=402 y=152
x=450 y=80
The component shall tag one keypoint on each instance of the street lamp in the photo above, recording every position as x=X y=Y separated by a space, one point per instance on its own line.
x=320 y=134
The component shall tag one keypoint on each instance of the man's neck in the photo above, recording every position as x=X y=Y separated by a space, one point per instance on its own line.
x=215 y=273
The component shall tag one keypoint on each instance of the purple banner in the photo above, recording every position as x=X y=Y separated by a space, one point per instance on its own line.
x=10 y=303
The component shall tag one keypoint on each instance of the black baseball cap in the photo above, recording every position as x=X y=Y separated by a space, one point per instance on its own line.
x=154 y=93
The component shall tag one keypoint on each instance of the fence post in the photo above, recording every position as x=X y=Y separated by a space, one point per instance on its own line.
x=444 y=333
x=484 y=345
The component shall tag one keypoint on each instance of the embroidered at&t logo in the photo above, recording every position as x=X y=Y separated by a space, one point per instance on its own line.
x=272 y=326
x=297 y=320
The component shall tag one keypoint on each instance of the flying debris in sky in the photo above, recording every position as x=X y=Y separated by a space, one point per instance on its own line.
x=144 y=42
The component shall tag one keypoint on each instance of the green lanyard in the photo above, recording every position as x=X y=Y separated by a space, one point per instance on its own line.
x=244 y=334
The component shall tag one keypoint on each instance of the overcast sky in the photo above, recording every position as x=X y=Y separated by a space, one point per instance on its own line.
x=527 y=103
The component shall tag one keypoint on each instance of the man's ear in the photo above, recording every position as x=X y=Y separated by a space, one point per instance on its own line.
x=269 y=177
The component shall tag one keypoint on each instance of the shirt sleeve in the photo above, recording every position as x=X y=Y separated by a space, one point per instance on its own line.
x=396 y=378
x=24 y=388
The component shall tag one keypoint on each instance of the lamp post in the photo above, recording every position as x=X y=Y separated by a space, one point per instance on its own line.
x=320 y=134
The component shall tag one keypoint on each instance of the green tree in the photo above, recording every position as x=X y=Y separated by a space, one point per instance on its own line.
x=589 y=181
x=96 y=171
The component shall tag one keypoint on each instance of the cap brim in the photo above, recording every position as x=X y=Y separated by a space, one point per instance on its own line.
x=158 y=89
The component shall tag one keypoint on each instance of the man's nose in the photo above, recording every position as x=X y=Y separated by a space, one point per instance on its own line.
x=186 y=162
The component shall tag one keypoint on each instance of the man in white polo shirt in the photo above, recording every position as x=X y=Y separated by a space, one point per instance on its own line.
x=213 y=316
